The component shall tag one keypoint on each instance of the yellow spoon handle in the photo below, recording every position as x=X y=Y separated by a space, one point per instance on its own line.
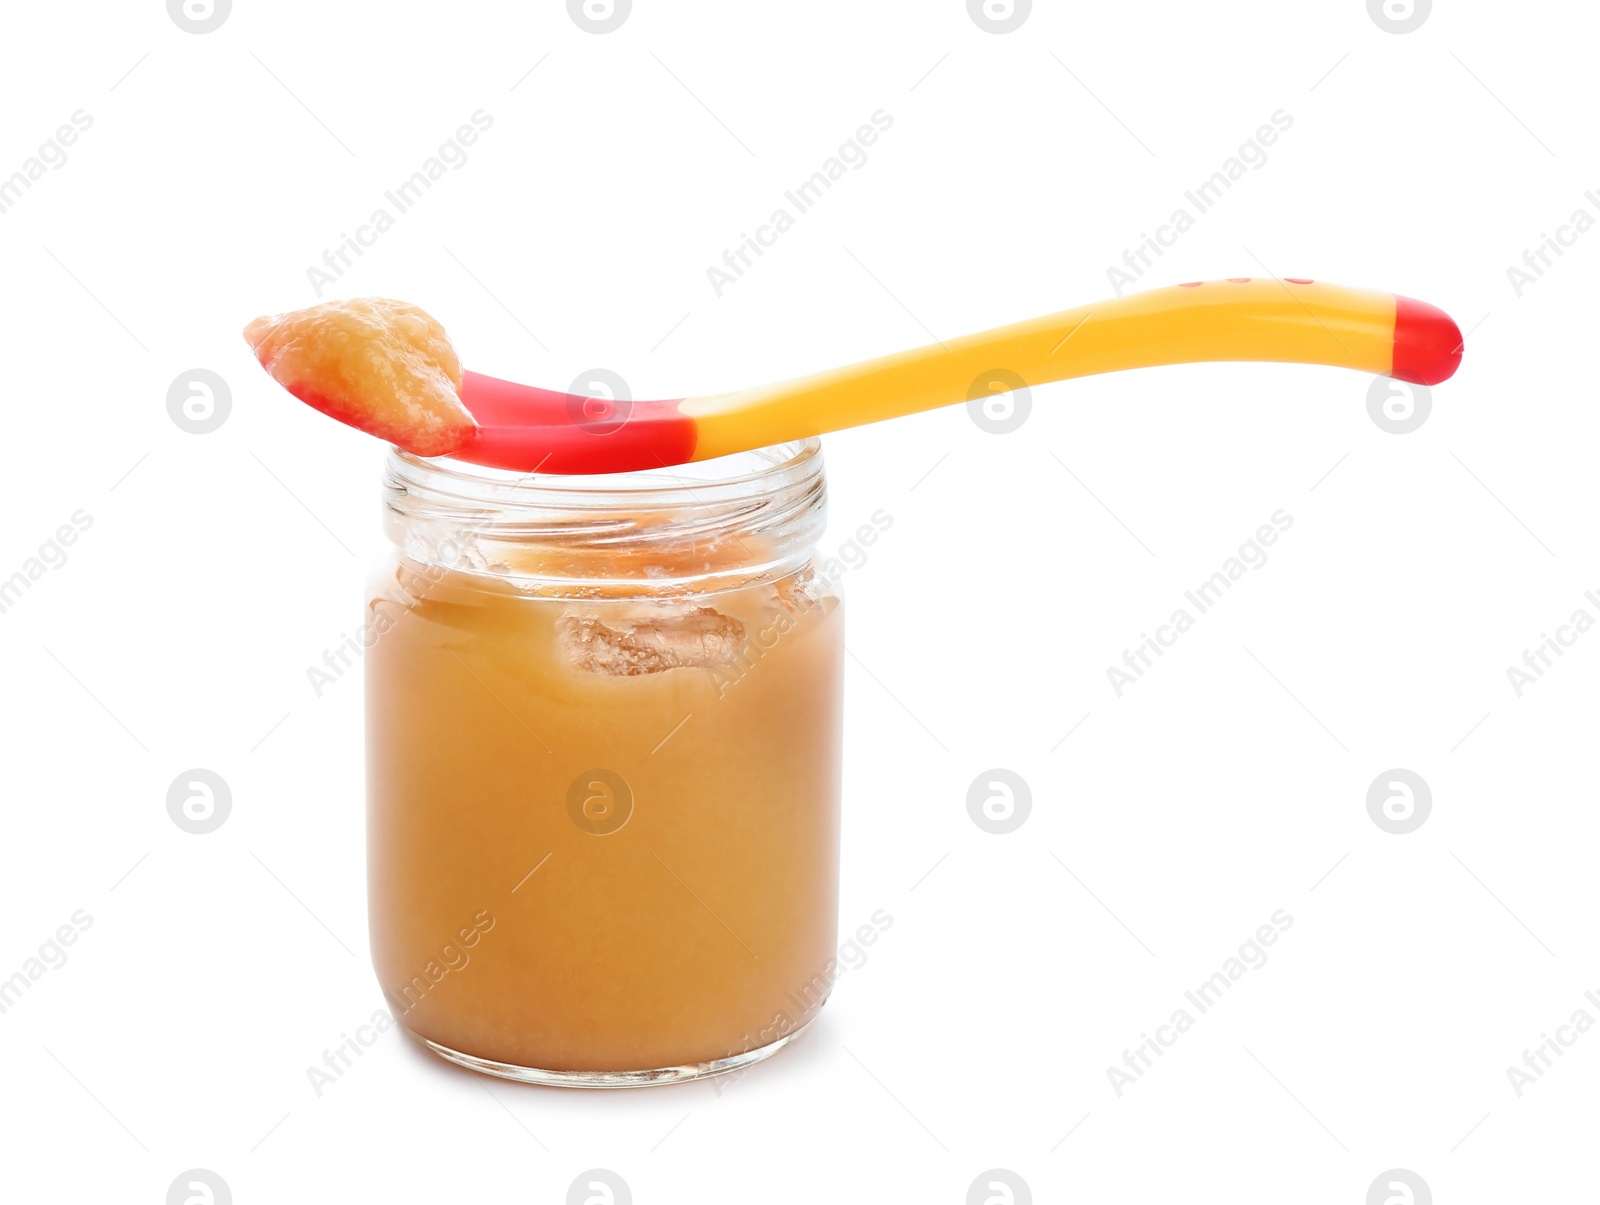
x=1285 y=320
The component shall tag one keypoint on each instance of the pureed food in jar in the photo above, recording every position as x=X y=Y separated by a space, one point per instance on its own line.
x=603 y=725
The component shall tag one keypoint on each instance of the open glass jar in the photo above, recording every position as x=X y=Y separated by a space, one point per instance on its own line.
x=603 y=730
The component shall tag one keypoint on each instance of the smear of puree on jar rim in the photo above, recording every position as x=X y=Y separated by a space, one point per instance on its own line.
x=384 y=367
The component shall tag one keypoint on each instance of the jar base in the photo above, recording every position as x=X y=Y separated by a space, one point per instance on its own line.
x=612 y=1079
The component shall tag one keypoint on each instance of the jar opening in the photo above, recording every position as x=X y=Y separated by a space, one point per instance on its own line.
x=750 y=514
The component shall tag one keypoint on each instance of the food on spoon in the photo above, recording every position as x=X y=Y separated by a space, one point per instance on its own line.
x=384 y=367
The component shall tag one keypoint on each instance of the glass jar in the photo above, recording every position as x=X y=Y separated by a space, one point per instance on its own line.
x=603 y=740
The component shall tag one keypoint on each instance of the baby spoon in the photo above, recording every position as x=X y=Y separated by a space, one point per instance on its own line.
x=526 y=429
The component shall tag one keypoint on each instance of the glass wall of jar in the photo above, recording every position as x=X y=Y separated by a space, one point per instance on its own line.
x=603 y=727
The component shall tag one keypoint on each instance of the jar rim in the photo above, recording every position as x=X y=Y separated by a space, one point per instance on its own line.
x=764 y=510
x=743 y=474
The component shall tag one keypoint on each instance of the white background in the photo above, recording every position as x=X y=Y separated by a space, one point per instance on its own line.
x=1230 y=782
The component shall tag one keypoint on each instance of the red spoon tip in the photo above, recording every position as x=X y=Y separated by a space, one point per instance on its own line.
x=1427 y=343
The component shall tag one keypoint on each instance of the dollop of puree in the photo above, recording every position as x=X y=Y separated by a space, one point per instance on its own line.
x=384 y=367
